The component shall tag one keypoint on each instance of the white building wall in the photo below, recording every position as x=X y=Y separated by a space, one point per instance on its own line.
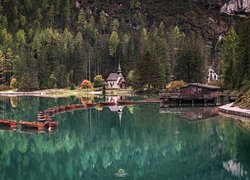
x=212 y=76
x=114 y=84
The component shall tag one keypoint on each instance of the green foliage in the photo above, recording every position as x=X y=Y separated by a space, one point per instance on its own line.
x=242 y=64
x=26 y=72
x=113 y=43
x=189 y=64
x=229 y=56
x=104 y=89
x=148 y=73
x=60 y=37
x=130 y=77
x=98 y=81
x=235 y=58
x=13 y=83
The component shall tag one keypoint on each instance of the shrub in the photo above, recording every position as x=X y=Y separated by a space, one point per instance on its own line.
x=98 y=81
x=86 y=84
x=175 y=85
x=13 y=83
x=4 y=87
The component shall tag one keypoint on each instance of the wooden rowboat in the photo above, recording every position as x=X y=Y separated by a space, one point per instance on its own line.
x=91 y=104
x=108 y=103
x=80 y=106
x=51 y=111
x=51 y=124
x=34 y=125
x=70 y=107
x=9 y=123
x=61 y=108
x=42 y=117
x=126 y=102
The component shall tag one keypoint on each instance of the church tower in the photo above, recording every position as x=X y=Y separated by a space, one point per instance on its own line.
x=119 y=71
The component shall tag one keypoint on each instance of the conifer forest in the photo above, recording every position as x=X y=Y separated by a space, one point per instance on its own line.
x=57 y=44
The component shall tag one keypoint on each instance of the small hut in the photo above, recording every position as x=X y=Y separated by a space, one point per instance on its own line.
x=212 y=75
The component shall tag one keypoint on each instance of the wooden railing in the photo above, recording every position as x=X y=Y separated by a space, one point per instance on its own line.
x=185 y=96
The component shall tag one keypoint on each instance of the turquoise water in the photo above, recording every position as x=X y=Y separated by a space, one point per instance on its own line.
x=143 y=140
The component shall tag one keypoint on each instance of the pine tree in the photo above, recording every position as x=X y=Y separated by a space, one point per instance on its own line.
x=81 y=22
x=26 y=72
x=80 y=60
x=103 y=21
x=189 y=64
x=229 y=58
x=113 y=43
x=148 y=73
x=242 y=64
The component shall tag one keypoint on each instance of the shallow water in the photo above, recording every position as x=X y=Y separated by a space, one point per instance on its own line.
x=144 y=140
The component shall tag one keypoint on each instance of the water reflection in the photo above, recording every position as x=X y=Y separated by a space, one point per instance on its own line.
x=235 y=168
x=192 y=113
x=92 y=144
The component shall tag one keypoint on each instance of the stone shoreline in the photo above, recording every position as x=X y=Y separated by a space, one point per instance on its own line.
x=235 y=112
x=32 y=93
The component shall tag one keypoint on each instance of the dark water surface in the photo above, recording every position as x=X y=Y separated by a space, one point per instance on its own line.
x=144 y=140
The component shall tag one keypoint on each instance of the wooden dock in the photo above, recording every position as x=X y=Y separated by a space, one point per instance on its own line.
x=235 y=111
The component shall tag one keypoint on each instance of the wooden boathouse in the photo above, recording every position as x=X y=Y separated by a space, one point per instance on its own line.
x=192 y=93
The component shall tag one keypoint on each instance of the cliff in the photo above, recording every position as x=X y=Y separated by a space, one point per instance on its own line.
x=236 y=7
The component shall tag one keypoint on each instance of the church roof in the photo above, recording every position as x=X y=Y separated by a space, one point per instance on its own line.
x=114 y=77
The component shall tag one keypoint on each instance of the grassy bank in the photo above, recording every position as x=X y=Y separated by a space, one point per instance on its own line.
x=244 y=100
x=68 y=92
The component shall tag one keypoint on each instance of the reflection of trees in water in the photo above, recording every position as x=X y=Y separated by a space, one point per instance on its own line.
x=146 y=143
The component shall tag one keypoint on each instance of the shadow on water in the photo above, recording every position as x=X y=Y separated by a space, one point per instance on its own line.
x=146 y=144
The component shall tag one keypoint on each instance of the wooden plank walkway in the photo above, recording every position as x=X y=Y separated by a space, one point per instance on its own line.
x=229 y=109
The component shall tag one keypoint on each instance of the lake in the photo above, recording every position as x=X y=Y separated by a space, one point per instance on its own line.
x=146 y=141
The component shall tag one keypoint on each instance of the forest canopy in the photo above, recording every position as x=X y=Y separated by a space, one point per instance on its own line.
x=54 y=44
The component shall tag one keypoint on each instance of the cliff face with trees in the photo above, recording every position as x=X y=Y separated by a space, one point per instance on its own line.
x=48 y=44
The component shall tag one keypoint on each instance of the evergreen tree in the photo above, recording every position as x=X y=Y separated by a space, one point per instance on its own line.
x=229 y=58
x=26 y=72
x=112 y=45
x=80 y=60
x=189 y=62
x=242 y=64
x=81 y=22
x=103 y=21
x=148 y=73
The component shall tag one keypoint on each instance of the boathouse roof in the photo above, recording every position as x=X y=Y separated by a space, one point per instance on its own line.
x=204 y=86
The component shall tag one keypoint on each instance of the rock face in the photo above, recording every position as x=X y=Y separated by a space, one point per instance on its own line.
x=236 y=7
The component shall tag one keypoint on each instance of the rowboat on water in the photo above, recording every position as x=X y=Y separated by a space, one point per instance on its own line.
x=51 y=124
x=91 y=104
x=70 y=107
x=61 y=108
x=51 y=111
x=42 y=117
x=34 y=125
x=79 y=105
x=8 y=123
x=108 y=103
x=126 y=102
